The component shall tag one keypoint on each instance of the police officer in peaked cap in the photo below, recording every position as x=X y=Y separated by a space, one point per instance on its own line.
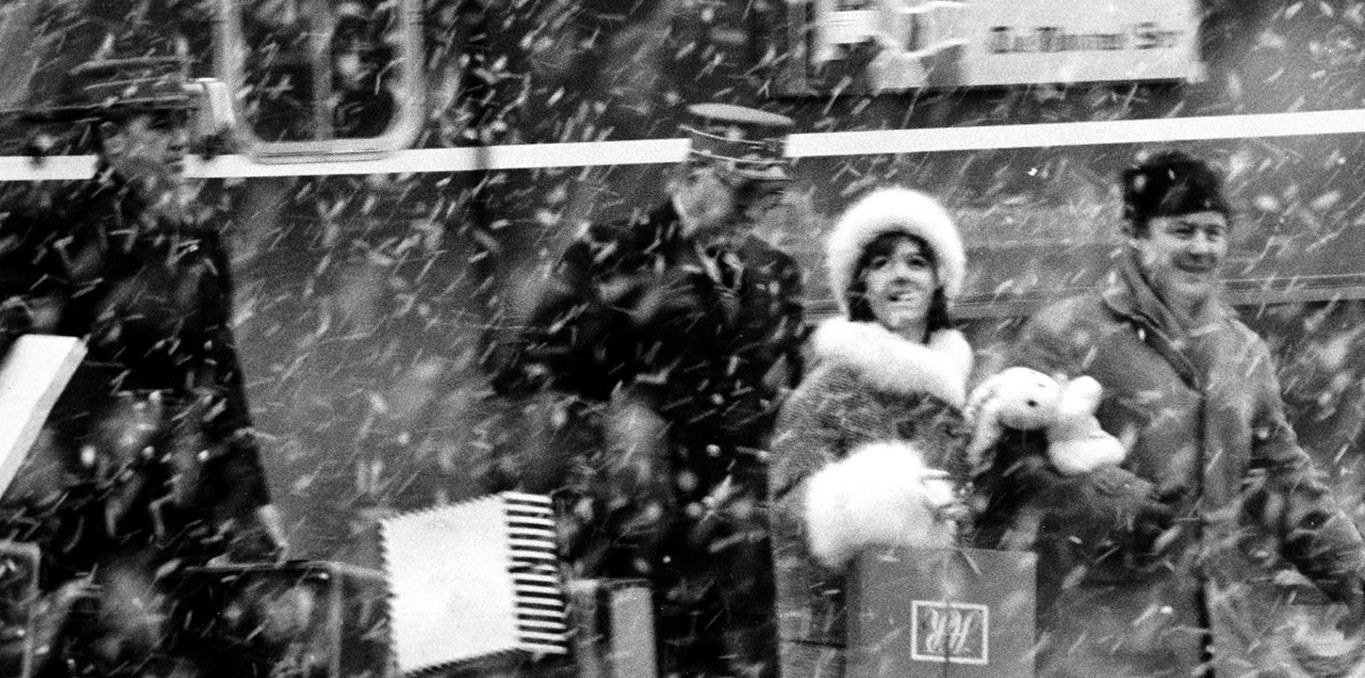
x=668 y=338
x=150 y=461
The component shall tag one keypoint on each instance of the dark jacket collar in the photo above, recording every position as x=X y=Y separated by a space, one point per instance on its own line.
x=662 y=229
x=665 y=222
x=109 y=185
x=1131 y=296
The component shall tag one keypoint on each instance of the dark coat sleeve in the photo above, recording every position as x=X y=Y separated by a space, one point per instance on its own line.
x=1110 y=505
x=241 y=482
x=31 y=270
x=1317 y=537
x=789 y=333
x=562 y=340
x=16 y=320
x=809 y=435
x=808 y=596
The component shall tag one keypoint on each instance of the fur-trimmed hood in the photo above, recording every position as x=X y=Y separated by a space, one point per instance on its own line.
x=891 y=364
x=888 y=210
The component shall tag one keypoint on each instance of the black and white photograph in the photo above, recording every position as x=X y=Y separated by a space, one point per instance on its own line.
x=682 y=338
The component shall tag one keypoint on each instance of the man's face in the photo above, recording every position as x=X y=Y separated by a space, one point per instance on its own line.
x=715 y=204
x=149 y=147
x=705 y=202
x=757 y=200
x=1182 y=254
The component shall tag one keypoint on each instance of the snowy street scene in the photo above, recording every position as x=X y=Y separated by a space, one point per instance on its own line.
x=682 y=338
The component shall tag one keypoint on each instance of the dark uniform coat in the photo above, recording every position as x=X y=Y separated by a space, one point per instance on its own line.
x=867 y=386
x=149 y=457
x=633 y=304
x=1203 y=420
x=637 y=311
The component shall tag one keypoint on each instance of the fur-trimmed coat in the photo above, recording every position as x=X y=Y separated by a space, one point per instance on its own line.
x=869 y=389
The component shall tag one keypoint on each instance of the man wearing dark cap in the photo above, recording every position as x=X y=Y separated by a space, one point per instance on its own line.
x=1215 y=501
x=674 y=333
x=150 y=460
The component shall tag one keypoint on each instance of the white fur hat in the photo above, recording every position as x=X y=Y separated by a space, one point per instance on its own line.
x=889 y=210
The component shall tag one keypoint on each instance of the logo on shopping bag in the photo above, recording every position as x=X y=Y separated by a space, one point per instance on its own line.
x=952 y=632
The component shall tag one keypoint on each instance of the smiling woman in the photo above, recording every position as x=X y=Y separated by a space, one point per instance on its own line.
x=890 y=238
x=869 y=449
x=899 y=284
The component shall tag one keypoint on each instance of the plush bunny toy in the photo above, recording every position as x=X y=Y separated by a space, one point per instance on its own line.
x=1025 y=399
x=1097 y=500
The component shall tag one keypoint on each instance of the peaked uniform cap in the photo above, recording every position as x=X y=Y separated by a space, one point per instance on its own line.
x=745 y=142
x=106 y=87
x=894 y=210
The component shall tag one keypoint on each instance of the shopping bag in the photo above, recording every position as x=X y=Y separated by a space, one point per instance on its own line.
x=956 y=613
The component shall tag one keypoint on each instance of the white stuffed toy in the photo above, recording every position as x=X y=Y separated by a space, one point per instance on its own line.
x=881 y=494
x=1026 y=399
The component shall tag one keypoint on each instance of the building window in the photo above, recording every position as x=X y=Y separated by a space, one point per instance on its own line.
x=318 y=80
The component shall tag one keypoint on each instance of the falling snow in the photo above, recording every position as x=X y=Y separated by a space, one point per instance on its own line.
x=370 y=311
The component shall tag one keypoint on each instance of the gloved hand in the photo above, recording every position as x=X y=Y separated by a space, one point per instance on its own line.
x=15 y=320
x=52 y=613
x=261 y=539
x=671 y=297
x=1112 y=505
x=1353 y=597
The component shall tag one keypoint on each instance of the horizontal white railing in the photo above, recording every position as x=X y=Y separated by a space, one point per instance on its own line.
x=662 y=151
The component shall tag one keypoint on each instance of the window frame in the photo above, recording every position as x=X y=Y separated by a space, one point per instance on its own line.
x=409 y=94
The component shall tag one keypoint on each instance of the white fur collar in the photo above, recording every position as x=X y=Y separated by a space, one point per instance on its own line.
x=892 y=364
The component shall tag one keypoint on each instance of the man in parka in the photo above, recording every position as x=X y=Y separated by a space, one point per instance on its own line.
x=1215 y=494
x=675 y=331
x=149 y=461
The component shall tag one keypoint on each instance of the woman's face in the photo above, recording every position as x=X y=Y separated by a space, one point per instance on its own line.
x=899 y=286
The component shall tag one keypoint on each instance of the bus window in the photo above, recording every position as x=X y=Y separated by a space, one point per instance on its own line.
x=321 y=80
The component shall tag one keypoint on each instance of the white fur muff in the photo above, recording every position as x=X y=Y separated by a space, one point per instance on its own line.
x=881 y=494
